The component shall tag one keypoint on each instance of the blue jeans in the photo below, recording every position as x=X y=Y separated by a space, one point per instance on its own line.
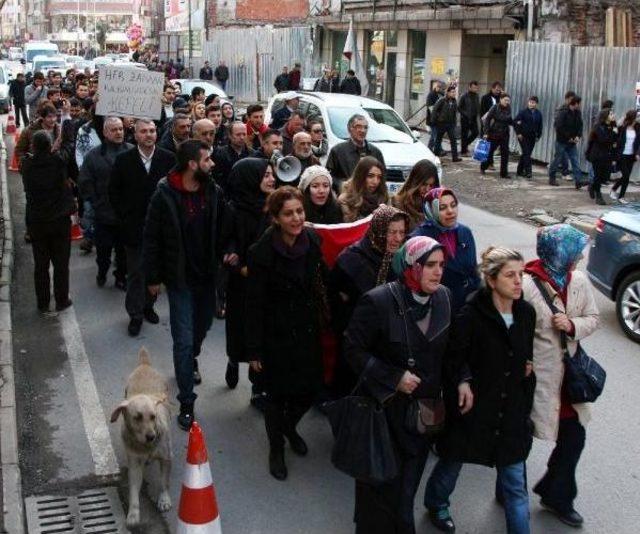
x=568 y=150
x=511 y=485
x=190 y=314
x=87 y=221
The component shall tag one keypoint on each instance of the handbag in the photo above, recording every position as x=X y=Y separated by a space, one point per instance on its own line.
x=362 y=448
x=584 y=377
x=481 y=150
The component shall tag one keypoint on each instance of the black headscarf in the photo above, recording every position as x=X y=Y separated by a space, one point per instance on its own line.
x=245 y=178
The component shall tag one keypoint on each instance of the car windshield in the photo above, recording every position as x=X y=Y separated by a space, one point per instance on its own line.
x=46 y=52
x=384 y=124
x=50 y=64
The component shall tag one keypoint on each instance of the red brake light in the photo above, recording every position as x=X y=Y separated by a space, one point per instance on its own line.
x=600 y=225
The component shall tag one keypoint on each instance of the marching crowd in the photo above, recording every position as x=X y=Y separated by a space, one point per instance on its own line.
x=463 y=359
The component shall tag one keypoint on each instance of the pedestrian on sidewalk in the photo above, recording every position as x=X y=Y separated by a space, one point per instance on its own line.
x=295 y=76
x=445 y=116
x=350 y=85
x=49 y=205
x=434 y=95
x=397 y=338
x=564 y=164
x=492 y=98
x=183 y=241
x=602 y=152
x=221 y=74
x=135 y=175
x=528 y=128
x=206 y=73
x=16 y=94
x=286 y=310
x=281 y=82
x=93 y=181
x=496 y=127
x=568 y=126
x=410 y=198
x=441 y=223
x=469 y=108
x=560 y=248
x=628 y=153
x=492 y=340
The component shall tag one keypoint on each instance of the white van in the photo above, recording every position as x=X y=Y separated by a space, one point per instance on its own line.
x=15 y=53
x=39 y=48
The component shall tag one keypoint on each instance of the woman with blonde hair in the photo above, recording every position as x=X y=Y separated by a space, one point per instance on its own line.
x=410 y=198
x=364 y=191
x=198 y=111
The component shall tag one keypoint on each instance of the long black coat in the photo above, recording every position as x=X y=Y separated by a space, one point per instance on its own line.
x=283 y=318
x=497 y=430
x=130 y=189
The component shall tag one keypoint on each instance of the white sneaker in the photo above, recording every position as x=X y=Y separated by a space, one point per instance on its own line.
x=613 y=194
x=567 y=177
x=623 y=201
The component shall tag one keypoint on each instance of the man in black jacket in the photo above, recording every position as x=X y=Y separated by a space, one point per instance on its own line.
x=568 y=125
x=434 y=95
x=282 y=80
x=469 y=108
x=444 y=116
x=226 y=157
x=528 y=127
x=16 y=93
x=222 y=74
x=491 y=98
x=182 y=245
x=134 y=178
x=179 y=132
x=206 y=73
x=351 y=85
x=270 y=140
x=344 y=157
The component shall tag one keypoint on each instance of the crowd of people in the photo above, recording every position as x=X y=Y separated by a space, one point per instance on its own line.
x=196 y=203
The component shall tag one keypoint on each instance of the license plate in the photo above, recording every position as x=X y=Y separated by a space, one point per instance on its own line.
x=394 y=187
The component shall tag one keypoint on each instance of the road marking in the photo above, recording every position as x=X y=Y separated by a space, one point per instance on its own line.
x=95 y=426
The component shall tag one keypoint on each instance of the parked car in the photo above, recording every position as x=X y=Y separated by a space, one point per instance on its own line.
x=400 y=146
x=209 y=87
x=15 y=53
x=45 y=64
x=614 y=264
x=5 y=78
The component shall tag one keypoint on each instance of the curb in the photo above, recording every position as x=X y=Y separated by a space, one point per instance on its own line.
x=13 y=511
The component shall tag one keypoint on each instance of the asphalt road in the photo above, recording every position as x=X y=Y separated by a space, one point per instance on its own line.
x=62 y=447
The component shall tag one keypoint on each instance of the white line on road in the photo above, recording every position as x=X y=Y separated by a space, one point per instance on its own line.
x=95 y=426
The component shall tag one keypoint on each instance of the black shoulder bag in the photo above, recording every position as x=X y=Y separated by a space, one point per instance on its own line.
x=363 y=448
x=584 y=377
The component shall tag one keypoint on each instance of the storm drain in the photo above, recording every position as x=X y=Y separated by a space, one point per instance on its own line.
x=96 y=511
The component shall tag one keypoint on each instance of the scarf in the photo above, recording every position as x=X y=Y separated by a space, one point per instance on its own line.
x=377 y=234
x=370 y=201
x=246 y=177
x=448 y=236
x=409 y=260
x=559 y=247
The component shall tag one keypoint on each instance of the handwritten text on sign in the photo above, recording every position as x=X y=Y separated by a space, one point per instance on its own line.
x=129 y=92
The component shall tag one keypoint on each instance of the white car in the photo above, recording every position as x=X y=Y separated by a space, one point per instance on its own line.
x=45 y=64
x=5 y=76
x=400 y=146
x=15 y=53
x=209 y=87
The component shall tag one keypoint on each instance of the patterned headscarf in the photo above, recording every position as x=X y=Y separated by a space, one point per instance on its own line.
x=431 y=208
x=377 y=234
x=410 y=258
x=559 y=247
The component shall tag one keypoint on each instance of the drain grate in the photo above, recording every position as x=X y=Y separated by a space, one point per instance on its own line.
x=96 y=511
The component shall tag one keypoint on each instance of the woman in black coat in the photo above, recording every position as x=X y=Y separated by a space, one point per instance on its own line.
x=254 y=181
x=396 y=339
x=601 y=152
x=628 y=153
x=496 y=125
x=284 y=315
x=50 y=202
x=493 y=339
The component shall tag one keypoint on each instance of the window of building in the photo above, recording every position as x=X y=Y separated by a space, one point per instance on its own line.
x=338 y=61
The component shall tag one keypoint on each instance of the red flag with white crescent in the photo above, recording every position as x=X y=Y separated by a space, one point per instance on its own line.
x=336 y=237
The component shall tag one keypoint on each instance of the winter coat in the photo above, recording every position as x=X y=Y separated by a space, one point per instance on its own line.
x=344 y=157
x=24 y=141
x=351 y=86
x=487 y=102
x=206 y=73
x=323 y=85
x=497 y=122
x=163 y=247
x=460 y=273
x=282 y=327
x=281 y=83
x=280 y=117
x=225 y=157
x=33 y=96
x=16 y=93
x=547 y=352
x=445 y=112
x=432 y=98
x=498 y=429
x=469 y=106
x=94 y=178
x=622 y=139
x=221 y=73
x=167 y=142
x=528 y=123
x=377 y=330
x=568 y=124
x=131 y=188
x=602 y=144
x=294 y=80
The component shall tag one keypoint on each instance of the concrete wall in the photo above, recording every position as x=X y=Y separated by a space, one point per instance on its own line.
x=484 y=58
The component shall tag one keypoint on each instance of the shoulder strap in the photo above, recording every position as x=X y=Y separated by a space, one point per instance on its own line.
x=554 y=310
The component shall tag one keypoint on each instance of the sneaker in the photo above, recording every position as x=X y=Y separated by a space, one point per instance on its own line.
x=231 y=376
x=623 y=201
x=135 y=325
x=151 y=316
x=614 y=195
x=185 y=417
x=197 y=377
x=567 y=177
x=441 y=519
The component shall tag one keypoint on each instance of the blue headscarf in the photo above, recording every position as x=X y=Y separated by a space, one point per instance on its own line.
x=559 y=247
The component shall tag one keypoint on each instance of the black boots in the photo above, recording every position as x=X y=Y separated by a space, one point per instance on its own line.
x=277 y=468
x=185 y=417
x=232 y=375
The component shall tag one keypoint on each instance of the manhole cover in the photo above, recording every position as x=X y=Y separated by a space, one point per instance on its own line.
x=96 y=511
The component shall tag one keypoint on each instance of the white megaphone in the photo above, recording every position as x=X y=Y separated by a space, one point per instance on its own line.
x=287 y=168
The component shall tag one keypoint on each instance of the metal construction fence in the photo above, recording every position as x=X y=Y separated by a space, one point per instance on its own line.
x=548 y=70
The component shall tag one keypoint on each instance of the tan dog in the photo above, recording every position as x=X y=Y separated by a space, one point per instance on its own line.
x=145 y=432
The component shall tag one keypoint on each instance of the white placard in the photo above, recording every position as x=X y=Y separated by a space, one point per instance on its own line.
x=129 y=92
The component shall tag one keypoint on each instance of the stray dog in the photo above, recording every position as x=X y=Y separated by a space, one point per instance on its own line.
x=145 y=432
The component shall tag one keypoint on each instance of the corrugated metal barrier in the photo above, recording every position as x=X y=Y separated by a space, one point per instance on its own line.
x=548 y=70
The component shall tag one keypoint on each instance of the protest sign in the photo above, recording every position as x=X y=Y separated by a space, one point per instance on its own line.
x=129 y=92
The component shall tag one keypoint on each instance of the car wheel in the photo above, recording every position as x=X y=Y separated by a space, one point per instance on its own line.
x=628 y=306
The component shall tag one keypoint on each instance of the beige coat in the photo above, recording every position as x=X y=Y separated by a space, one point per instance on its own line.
x=547 y=352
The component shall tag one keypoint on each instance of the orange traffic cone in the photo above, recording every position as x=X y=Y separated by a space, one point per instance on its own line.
x=76 y=231
x=11 y=122
x=198 y=511
x=14 y=166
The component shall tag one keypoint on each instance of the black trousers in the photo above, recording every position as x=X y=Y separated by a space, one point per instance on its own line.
x=527 y=145
x=107 y=239
x=468 y=132
x=138 y=298
x=558 y=486
x=388 y=508
x=601 y=172
x=625 y=166
x=51 y=245
x=21 y=111
x=282 y=415
x=450 y=130
x=503 y=145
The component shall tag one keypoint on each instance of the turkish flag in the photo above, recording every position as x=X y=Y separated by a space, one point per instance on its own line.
x=336 y=237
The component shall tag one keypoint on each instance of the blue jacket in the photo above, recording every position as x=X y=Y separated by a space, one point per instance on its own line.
x=460 y=273
x=528 y=123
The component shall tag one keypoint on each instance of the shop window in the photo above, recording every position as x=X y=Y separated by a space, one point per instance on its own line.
x=418 y=68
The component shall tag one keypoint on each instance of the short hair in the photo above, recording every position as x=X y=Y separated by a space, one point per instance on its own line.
x=254 y=108
x=575 y=100
x=197 y=91
x=46 y=108
x=495 y=258
x=38 y=75
x=607 y=104
x=496 y=84
x=534 y=98
x=277 y=199
x=356 y=117
x=569 y=94
x=298 y=114
x=351 y=72
x=71 y=71
x=74 y=102
x=187 y=151
x=268 y=133
x=504 y=94
x=473 y=82
x=168 y=86
x=82 y=82
x=143 y=121
x=212 y=107
x=53 y=90
x=234 y=123
x=180 y=117
x=298 y=135
x=41 y=143
x=312 y=122
x=110 y=120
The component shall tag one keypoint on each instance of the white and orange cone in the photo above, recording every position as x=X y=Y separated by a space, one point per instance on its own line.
x=10 y=128
x=198 y=511
x=76 y=231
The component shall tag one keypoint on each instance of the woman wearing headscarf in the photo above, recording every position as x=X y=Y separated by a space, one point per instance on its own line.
x=493 y=337
x=228 y=113
x=254 y=181
x=397 y=337
x=358 y=269
x=559 y=249
x=320 y=204
x=410 y=198
x=441 y=223
x=364 y=191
